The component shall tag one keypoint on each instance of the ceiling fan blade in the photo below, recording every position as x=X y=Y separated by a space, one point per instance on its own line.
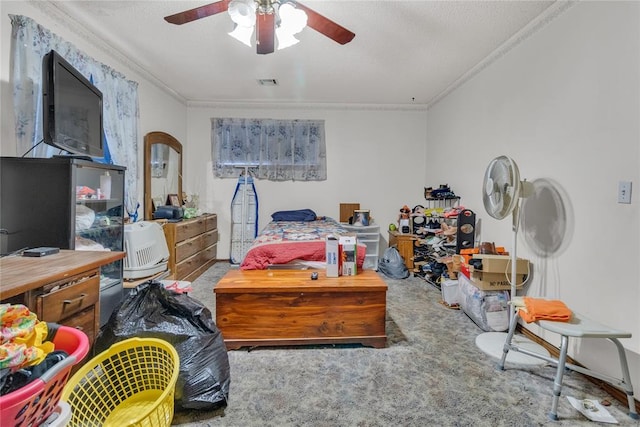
x=324 y=25
x=198 y=12
x=265 y=33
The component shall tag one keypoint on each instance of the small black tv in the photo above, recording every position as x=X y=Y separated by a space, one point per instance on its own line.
x=72 y=109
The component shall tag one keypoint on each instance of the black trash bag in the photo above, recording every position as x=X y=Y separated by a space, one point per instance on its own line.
x=392 y=264
x=151 y=311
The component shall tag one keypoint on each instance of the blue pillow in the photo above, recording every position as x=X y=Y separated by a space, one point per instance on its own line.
x=297 y=215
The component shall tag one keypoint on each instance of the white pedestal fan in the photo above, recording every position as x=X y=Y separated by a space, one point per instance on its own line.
x=501 y=194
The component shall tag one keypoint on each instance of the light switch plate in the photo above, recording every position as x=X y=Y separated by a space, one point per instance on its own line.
x=624 y=192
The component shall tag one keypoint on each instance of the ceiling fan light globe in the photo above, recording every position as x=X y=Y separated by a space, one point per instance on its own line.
x=292 y=20
x=243 y=12
x=285 y=39
x=242 y=34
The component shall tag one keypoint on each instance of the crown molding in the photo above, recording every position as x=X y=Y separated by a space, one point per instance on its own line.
x=288 y=105
x=57 y=12
x=539 y=22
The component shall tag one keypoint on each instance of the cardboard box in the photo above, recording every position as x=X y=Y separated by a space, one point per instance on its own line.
x=347 y=254
x=450 y=291
x=494 y=281
x=502 y=264
x=332 y=253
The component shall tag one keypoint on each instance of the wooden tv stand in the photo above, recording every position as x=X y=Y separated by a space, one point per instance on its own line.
x=286 y=307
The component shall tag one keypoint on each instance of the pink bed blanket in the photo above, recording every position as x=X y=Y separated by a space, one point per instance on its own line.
x=281 y=242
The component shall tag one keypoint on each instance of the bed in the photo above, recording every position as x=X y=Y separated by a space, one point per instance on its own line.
x=291 y=242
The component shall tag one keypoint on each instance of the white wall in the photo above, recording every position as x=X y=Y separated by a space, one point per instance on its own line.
x=374 y=158
x=565 y=105
x=159 y=110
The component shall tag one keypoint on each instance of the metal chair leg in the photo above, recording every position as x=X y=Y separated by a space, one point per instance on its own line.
x=509 y=338
x=557 y=382
x=626 y=378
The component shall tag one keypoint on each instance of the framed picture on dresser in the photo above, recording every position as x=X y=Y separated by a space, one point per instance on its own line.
x=173 y=200
x=361 y=217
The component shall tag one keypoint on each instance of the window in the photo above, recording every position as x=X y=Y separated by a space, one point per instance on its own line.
x=277 y=150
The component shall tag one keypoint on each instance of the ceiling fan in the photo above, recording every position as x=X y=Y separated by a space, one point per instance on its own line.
x=268 y=17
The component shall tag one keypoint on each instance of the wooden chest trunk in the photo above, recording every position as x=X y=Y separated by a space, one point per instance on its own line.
x=286 y=307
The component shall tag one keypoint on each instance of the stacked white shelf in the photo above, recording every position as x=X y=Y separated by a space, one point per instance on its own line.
x=370 y=236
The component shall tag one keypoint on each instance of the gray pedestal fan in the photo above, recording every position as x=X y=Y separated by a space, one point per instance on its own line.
x=501 y=194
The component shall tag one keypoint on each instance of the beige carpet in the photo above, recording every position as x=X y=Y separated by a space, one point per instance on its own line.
x=430 y=373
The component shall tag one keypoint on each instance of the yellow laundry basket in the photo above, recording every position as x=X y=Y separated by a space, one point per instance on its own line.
x=130 y=384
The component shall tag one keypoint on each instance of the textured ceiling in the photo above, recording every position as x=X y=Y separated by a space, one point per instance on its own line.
x=404 y=53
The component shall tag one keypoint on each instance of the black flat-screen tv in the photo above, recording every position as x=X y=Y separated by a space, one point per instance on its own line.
x=72 y=109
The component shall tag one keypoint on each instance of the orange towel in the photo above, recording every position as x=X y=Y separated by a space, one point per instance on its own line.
x=541 y=309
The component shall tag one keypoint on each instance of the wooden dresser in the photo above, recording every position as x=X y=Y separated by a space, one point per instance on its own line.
x=193 y=246
x=62 y=288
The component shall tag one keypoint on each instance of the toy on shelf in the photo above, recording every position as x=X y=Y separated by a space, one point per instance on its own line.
x=403 y=220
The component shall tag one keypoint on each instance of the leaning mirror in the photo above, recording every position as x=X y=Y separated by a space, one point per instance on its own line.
x=162 y=170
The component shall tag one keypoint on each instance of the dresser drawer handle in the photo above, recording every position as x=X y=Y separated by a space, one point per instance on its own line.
x=71 y=301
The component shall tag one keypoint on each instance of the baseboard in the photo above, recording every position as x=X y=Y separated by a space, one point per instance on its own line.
x=615 y=392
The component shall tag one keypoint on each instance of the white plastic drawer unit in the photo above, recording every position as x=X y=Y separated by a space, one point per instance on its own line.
x=370 y=237
x=362 y=229
x=372 y=246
